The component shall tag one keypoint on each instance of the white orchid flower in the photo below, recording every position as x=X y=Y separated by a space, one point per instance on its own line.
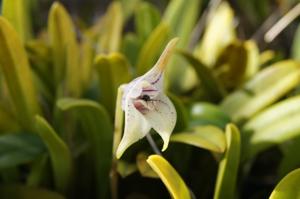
x=146 y=106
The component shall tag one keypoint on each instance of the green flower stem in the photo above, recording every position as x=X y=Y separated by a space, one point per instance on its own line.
x=116 y=141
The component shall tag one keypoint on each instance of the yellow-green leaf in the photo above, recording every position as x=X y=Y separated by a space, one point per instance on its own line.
x=229 y=165
x=17 y=12
x=112 y=71
x=207 y=137
x=60 y=154
x=172 y=180
x=263 y=89
x=152 y=48
x=143 y=167
x=111 y=32
x=213 y=42
x=18 y=76
x=288 y=187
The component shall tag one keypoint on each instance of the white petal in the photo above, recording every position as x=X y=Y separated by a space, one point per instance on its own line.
x=136 y=127
x=162 y=118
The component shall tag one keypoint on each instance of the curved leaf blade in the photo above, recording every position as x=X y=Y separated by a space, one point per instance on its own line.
x=60 y=154
x=228 y=167
x=172 y=180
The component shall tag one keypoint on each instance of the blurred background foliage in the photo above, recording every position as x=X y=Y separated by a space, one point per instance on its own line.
x=234 y=80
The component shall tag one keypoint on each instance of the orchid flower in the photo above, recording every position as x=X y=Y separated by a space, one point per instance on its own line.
x=146 y=106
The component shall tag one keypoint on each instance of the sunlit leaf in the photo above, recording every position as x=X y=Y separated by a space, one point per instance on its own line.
x=143 y=167
x=19 y=148
x=18 y=76
x=275 y=125
x=265 y=88
x=25 y=192
x=203 y=113
x=229 y=165
x=152 y=48
x=99 y=133
x=60 y=155
x=17 y=12
x=213 y=43
x=111 y=31
x=209 y=82
x=207 y=137
x=172 y=180
x=288 y=187
x=112 y=71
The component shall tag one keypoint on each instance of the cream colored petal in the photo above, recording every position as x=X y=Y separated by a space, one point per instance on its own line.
x=136 y=127
x=162 y=118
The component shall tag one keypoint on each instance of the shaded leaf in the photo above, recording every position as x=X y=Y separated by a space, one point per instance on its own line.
x=113 y=70
x=228 y=167
x=182 y=115
x=18 y=76
x=296 y=45
x=125 y=169
x=24 y=192
x=143 y=167
x=207 y=137
x=288 y=187
x=99 y=133
x=19 y=148
x=208 y=80
x=60 y=155
x=172 y=180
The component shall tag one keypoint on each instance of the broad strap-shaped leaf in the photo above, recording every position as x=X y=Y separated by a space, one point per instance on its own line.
x=151 y=49
x=213 y=43
x=99 y=134
x=111 y=31
x=147 y=17
x=182 y=113
x=60 y=154
x=209 y=82
x=262 y=90
x=207 y=137
x=112 y=70
x=18 y=76
x=19 y=148
x=229 y=165
x=296 y=45
x=203 y=113
x=288 y=187
x=17 y=12
x=277 y=124
x=65 y=52
x=169 y=176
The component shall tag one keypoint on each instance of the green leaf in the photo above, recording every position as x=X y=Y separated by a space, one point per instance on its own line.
x=86 y=61
x=228 y=167
x=152 y=48
x=203 y=113
x=130 y=47
x=277 y=124
x=172 y=180
x=112 y=70
x=62 y=36
x=207 y=137
x=296 y=45
x=17 y=12
x=99 y=133
x=143 y=167
x=110 y=35
x=262 y=90
x=147 y=17
x=182 y=114
x=18 y=76
x=213 y=43
x=288 y=187
x=125 y=169
x=24 y=192
x=19 y=148
x=210 y=84
x=128 y=8
x=60 y=155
